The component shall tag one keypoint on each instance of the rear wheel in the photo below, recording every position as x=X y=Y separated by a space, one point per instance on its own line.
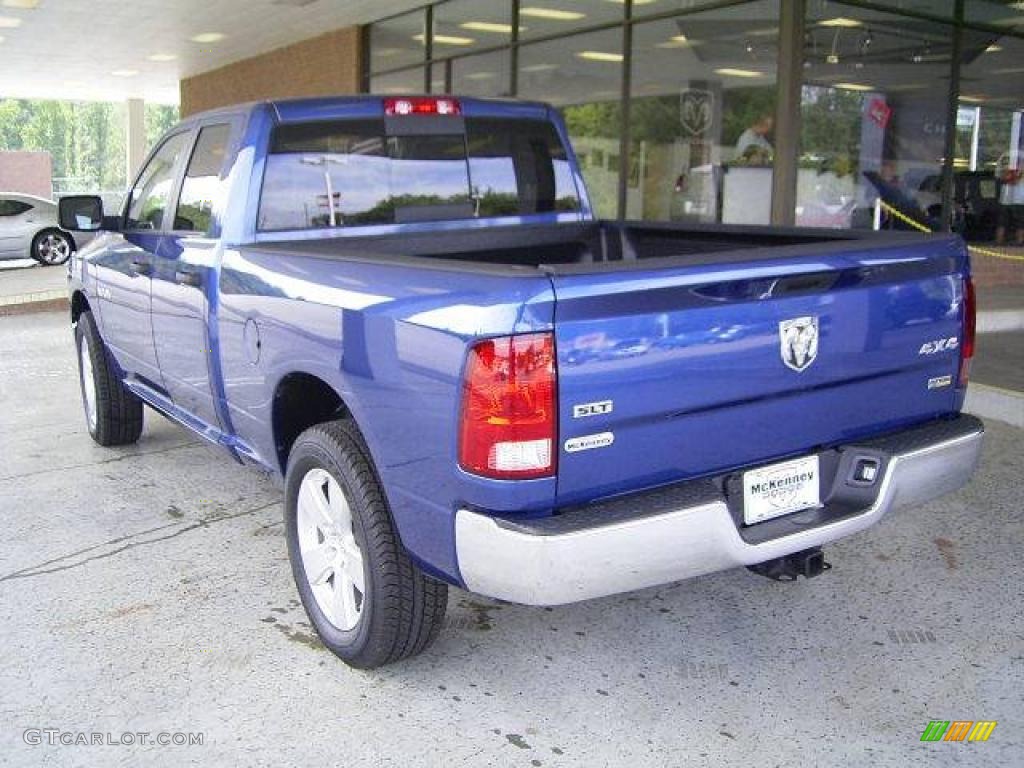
x=112 y=413
x=51 y=247
x=365 y=597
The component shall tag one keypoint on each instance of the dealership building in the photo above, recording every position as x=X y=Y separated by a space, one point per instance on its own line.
x=808 y=112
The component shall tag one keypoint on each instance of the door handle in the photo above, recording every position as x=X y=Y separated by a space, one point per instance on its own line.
x=188 y=277
x=141 y=267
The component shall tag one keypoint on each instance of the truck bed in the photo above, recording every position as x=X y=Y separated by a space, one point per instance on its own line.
x=587 y=247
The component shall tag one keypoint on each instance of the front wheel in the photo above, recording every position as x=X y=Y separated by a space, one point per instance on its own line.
x=51 y=247
x=367 y=600
x=112 y=413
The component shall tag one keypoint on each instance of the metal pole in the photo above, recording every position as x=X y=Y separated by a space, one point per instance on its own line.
x=952 y=106
x=787 y=112
x=624 y=102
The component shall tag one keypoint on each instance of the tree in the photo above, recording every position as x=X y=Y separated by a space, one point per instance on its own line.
x=86 y=140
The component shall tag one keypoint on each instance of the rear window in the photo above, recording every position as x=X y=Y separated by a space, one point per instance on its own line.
x=351 y=173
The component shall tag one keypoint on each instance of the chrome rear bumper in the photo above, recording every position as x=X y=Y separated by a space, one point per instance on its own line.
x=622 y=545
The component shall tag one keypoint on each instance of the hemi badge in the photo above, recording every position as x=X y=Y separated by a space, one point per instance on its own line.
x=587 y=442
x=940 y=382
x=591 y=409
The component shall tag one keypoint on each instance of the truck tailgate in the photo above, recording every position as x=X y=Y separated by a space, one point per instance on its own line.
x=677 y=372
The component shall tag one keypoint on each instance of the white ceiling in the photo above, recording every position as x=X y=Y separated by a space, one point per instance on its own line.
x=68 y=49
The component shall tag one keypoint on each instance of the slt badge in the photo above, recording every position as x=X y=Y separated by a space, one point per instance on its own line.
x=798 y=342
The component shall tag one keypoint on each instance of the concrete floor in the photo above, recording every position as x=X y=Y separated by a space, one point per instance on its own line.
x=25 y=277
x=999 y=360
x=147 y=589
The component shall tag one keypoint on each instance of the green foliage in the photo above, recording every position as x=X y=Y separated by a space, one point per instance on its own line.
x=830 y=127
x=742 y=107
x=86 y=140
x=600 y=119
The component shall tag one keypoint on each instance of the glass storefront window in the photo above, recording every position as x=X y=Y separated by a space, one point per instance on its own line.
x=541 y=18
x=988 y=190
x=1006 y=14
x=873 y=119
x=942 y=9
x=701 y=146
x=398 y=41
x=407 y=81
x=485 y=74
x=648 y=7
x=701 y=116
x=466 y=25
x=582 y=76
x=438 y=77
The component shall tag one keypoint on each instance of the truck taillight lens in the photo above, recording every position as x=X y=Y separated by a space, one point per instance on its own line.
x=420 y=105
x=969 y=330
x=509 y=408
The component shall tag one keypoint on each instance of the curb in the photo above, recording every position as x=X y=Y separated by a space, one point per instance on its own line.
x=995 y=403
x=1001 y=320
x=35 y=305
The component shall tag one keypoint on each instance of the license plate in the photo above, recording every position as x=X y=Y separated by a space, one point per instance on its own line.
x=780 y=489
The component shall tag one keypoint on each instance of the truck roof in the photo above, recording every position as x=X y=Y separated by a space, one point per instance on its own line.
x=371 y=105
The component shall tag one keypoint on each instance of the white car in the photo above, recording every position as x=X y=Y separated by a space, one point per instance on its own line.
x=29 y=229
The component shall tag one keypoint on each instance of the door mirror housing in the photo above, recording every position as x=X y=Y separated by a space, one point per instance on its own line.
x=81 y=213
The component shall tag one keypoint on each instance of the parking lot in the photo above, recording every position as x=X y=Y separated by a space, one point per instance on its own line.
x=147 y=589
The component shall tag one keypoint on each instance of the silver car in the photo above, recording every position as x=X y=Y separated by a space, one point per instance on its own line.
x=28 y=229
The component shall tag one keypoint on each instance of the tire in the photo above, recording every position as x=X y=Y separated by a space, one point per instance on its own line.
x=52 y=247
x=112 y=413
x=399 y=611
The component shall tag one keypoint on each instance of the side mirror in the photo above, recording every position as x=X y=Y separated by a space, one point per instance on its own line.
x=80 y=213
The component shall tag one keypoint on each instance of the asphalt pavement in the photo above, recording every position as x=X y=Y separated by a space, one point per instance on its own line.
x=147 y=590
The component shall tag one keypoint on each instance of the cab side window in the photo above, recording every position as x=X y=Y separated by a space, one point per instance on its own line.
x=152 y=192
x=13 y=207
x=201 y=188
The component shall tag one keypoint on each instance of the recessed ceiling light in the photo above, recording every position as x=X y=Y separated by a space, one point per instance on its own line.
x=208 y=37
x=9 y=22
x=730 y=72
x=1007 y=71
x=994 y=48
x=538 y=68
x=162 y=57
x=972 y=99
x=489 y=26
x=481 y=75
x=551 y=13
x=447 y=39
x=125 y=72
x=906 y=87
x=599 y=56
x=676 y=41
x=24 y=4
x=840 y=21
x=854 y=87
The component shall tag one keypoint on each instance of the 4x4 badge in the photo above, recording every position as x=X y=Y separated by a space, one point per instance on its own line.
x=798 y=342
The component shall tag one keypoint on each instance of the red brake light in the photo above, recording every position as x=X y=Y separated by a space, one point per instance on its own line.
x=421 y=106
x=509 y=408
x=969 y=331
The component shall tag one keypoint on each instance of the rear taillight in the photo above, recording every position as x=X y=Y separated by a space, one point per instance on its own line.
x=420 y=105
x=969 y=329
x=509 y=408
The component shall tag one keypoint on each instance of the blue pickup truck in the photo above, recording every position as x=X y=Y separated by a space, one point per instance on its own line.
x=405 y=310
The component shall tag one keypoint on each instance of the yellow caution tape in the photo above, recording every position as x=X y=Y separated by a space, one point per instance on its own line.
x=922 y=228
